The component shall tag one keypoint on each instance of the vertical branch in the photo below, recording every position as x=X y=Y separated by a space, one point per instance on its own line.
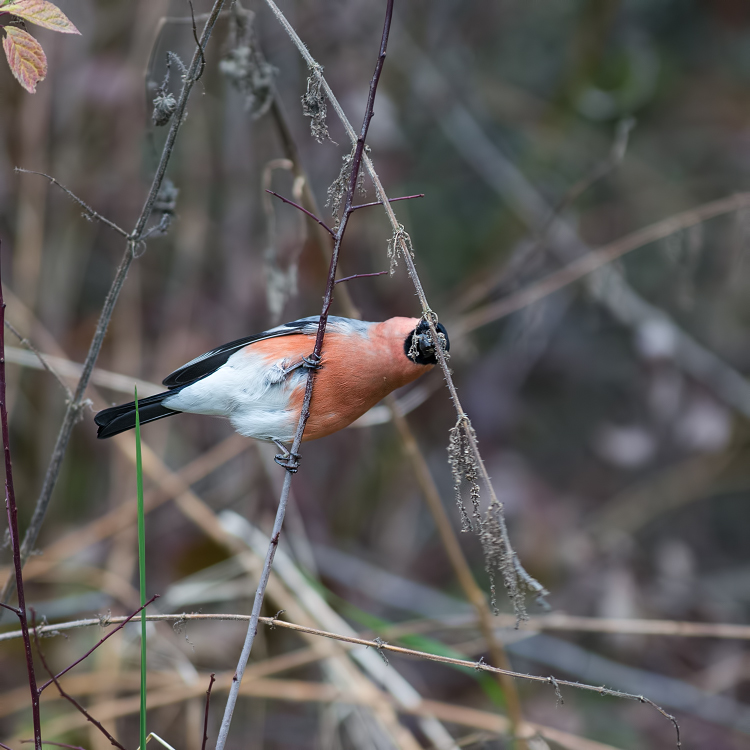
x=135 y=239
x=205 y=716
x=305 y=414
x=12 y=511
x=141 y=564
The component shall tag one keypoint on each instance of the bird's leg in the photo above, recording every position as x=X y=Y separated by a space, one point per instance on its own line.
x=312 y=362
x=286 y=459
x=308 y=363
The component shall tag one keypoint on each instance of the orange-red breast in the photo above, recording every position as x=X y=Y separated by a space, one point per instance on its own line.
x=258 y=382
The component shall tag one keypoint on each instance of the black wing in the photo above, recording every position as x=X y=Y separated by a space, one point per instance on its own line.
x=211 y=361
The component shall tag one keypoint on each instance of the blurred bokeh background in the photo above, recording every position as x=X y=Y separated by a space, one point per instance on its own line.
x=612 y=414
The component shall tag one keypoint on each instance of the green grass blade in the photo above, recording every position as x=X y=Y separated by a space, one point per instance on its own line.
x=141 y=565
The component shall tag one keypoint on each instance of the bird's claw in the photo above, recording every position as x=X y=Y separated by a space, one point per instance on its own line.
x=312 y=362
x=290 y=461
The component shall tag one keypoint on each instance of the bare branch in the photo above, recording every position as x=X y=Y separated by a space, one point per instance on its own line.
x=11 y=510
x=96 y=646
x=552 y=622
x=392 y=200
x=377 y=644
x=293 y=461
x=42 y=359
x=304 y=211
x=90 y=213
x=205 y=717
x=361 y=276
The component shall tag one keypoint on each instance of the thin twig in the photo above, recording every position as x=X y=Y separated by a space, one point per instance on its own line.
x=305 y=413
x=555 y=622
x=75 y=406
x=304 y=211
x=273 y=622
x=360 y=276
x=205 y=716
x=70 y=698
x=96 y=646
x=11 y=510
x=391 y=200
x=90 y=213
x=42 y=359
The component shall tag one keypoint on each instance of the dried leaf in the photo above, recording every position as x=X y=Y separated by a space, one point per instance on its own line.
x=26 y=58
x=42 y=13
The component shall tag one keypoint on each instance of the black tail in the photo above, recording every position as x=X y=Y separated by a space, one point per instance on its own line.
x=118 y=419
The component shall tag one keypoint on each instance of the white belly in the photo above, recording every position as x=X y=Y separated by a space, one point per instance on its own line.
x=253 y=394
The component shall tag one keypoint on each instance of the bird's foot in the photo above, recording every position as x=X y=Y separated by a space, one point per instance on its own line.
x=286 y=459
x=312 y=362
x=290 y=462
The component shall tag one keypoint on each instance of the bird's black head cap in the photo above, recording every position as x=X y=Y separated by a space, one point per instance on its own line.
x=419 y=346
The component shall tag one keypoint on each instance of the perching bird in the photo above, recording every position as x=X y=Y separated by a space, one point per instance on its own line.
x=258 y=382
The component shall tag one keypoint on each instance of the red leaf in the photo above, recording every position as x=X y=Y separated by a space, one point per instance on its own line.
x=26 y=58
x=42 y=13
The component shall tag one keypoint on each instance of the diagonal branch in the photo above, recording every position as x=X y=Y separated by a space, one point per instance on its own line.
x=315 y=358
x=516 y=576
x=89 y=212
x=96 y=646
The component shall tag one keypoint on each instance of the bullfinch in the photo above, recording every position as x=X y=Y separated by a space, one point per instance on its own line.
x=258 y=382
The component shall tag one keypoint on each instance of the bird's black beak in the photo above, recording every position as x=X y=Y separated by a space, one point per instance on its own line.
x=419 y=346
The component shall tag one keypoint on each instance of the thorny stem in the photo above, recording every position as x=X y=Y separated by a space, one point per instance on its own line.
x=305 y=414
x=427 y=313
x=77 y=404
x=380 y=645
x=12 y=511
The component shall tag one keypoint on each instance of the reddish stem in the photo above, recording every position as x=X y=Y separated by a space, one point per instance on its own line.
x=304 y=211
x=205 y=717
x=12 y=511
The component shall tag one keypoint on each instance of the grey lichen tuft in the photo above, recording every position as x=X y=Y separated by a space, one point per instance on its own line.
x=337 y=189
x=396 y=244
x=500 y=561
x=314 y=104
x=464 y=467
x=164 y=107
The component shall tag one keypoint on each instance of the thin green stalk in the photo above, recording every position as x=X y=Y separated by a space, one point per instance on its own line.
x=141 y=565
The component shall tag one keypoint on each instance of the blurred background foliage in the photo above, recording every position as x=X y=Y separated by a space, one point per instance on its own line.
x=624 y=477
